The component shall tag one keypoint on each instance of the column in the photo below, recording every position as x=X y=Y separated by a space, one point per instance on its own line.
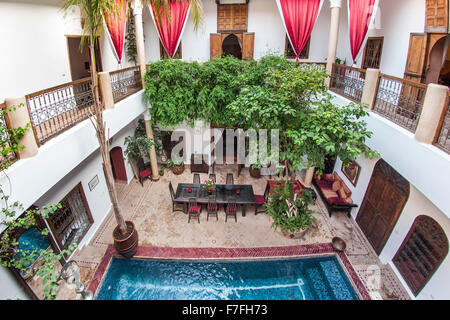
x=106 y=90
x=309 y=177
x=137 y=12
x=20 y=118
x=152 y=152
x=434 y=106
x=335 y=6
x=370 y=90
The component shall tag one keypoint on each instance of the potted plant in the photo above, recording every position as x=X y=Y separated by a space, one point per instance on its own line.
x=177 y=165
x=255 y=170
x=209 y=185
x=291 y=213
x=161 y=170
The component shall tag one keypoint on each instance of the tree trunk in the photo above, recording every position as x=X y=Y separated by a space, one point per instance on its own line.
x=103 y=142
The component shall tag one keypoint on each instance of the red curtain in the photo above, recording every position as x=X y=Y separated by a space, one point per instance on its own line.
x=170 y=28
x=299 y=18
x=360 y=14
x=116 y=27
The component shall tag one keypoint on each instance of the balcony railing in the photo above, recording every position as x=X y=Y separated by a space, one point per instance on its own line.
x=400 y=101
x=314 y=65
x=348 y=81
x=443 y=138
x=6 y=157
x=125 y=82
x=59 y=108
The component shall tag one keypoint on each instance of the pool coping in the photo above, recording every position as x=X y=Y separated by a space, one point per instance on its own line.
x=232 y=253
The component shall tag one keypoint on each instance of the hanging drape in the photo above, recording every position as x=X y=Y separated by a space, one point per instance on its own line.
x=299 y=17
x=171 y=28
x=360 y=15
x=116 y=27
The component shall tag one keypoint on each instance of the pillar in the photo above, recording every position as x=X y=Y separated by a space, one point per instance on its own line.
x=106 y=90
x=152 y=152
x=335 y=6
x=434 y=106
x=370 y=90
x=20 y=117
x=309 y=177
x=137 y=12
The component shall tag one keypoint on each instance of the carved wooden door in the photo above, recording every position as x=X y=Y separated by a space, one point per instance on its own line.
x=383 y=202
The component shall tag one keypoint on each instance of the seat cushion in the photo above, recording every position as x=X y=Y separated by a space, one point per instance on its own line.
x=231 y=208
x=338 y=200
x=145 y=173
x=196 y=208
x=259 y=199
x=212 y=207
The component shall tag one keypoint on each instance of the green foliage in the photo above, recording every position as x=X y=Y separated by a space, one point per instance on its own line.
x=130 y=39
x=10 y=138
x=278 y=207
x=175 y=162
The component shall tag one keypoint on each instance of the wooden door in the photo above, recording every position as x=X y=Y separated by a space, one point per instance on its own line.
x=248 y=45
x=215 y=45
x=383 y=202
x=118 y=164
x=417 y=52
x=372 y=53
x=436 y=16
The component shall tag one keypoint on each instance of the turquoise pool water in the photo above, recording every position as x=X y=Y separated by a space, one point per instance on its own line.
x=317 y=278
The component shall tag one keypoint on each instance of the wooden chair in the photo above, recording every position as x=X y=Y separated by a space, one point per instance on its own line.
x=231 y=209
x=196 y=179
x=230 y=179
x=143 y=171
x=213 y=176
x=194 y=209
x=212 y=208
x=260 y=200
x=174 y=203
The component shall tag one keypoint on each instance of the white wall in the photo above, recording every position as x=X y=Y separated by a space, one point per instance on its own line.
x=395 y=21
x=263 y=19
x=33 y=51
x=10 y=288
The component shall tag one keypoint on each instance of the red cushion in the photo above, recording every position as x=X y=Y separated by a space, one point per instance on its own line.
x=259 y=199
x=232 y=208
x=298 y=185
x=212 y=207
x=145 y=173
x=196 y=208
x=336 y=200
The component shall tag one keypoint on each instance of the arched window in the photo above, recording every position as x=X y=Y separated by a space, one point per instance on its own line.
x=421 y=253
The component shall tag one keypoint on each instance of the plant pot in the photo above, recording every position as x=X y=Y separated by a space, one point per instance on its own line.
x=300 y=234
x=178 y=170
x=255 y=173
x=161 y=172
x=126 y=245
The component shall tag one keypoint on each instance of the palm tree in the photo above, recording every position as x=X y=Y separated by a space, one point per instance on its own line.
x=93 y=13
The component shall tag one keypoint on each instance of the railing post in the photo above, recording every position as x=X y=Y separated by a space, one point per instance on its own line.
x=370 y=87
x=20 y=117
x=433 y=107
x=106 y=90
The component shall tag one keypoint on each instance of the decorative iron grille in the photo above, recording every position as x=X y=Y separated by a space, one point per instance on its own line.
x=348 y=82
x=59 y=108
x=443 y=140
x=400 y=101
x=125 y=82
x=7 y=157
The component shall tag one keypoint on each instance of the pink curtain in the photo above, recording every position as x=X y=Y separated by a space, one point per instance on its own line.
x=170 y=29
x=116 y=27
x=360 y=14
x=299 y=18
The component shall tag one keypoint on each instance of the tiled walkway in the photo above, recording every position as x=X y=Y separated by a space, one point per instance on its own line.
x=149 y=207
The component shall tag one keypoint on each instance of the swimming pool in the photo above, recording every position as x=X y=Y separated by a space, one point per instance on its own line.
x=313 y=278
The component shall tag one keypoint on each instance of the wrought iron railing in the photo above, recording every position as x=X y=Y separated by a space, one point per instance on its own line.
x=348 y=81
x=125 y=82
x=6 y=157
x=443 y=138
x=400 y=101
x=314 y=65
x=59 y=108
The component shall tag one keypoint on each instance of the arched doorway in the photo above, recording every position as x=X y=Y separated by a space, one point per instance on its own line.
x=231 y=45
x=421 y=253
x=118 y=164
x=438 y=70
x=383 y=202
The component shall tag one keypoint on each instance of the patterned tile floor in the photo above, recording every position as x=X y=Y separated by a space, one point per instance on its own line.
x=149 y=207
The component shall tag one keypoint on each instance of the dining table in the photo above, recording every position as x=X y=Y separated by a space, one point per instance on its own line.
x=243 y=193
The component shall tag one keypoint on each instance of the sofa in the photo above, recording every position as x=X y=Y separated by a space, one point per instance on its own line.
x=334 y=192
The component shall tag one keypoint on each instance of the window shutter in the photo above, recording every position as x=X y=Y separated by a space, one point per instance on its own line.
x=248 y=45
x=215 y=44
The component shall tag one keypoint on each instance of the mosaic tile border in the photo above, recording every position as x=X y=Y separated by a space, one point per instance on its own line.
x=233 y=253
